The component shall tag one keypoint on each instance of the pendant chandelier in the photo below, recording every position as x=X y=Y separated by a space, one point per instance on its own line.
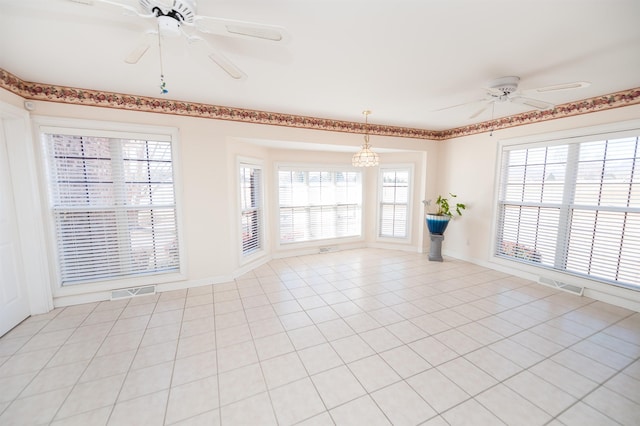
x=365 y=157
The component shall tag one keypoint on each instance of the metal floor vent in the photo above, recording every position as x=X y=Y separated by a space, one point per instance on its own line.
x=570 y=288
x=328 y=249
x=133 y=292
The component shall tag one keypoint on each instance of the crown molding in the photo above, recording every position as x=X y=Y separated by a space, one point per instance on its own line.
x=71 y=95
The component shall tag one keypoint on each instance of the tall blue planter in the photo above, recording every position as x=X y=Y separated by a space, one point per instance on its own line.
x=437 y=223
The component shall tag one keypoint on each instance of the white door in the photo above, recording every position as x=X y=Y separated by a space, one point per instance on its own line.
x=14 y=302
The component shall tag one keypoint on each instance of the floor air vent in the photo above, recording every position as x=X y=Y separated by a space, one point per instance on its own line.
x=328 y=249
x=570 y=288
x=133 y=292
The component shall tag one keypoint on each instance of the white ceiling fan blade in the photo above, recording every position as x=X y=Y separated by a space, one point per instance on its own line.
x=531 y=102
x=242 y=29
x=218 y=58
x=127 y=9
x=228 y=66
x=141 y=48
x=459 y=105
x=481 y=110
x=559 y=87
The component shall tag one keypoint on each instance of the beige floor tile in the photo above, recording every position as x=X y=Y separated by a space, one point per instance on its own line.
x=145 y=410
x=362 y=411
x=582 y=414
x=97 y=417
x=402 y=405
x=543 y=394
x=197 y=327
x=196 y=344
x=192 y=399
x=36 y=409
x=195 y=367
x=469 y=377
x=75 y=352
x=155 y=354
x=91 y=395
x=52 y=378
x=381 y=339
x=26 y=363
x=320 y=358
x=345 y=328
x=127 y=325
x=241 y=383
x=405 y=361
x=282 y=370
x=256 y=410
x=335 y=329
x=305 y=337
x=352 y=348
x=567 y=380
x=157 y=335
x=511 y=408
x=614 y=405
x=146 y=381
x=337 y=386
x=471 y=413
x=433 y=351
x=493 y=363
x=208 y=418
x=235 y=356
x=12 y=386
x=373 y=373
x=436 y=389
x=108 y=365
x=296 y=401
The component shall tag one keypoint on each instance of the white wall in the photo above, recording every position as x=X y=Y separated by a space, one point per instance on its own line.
x=208 y=152
x=468 y=167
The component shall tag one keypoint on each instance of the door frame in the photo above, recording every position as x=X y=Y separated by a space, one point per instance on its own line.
x=26 y=191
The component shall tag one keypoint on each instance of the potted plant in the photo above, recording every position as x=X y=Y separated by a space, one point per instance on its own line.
x=437 y=222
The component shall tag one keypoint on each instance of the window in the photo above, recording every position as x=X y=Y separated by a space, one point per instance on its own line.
x=113 y=206
x=319 y=204
x=574 y=207
x=394 y=203
x=251 y=208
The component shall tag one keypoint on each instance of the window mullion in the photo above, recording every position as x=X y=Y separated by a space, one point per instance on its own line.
x=568 y=197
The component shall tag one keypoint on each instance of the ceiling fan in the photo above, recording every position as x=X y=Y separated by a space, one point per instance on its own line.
x=177 y=18
x=505 y=89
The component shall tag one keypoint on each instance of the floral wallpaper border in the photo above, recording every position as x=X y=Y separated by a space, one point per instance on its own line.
x=71 y=95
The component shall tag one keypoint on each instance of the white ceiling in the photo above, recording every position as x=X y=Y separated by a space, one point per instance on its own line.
x=402 y=59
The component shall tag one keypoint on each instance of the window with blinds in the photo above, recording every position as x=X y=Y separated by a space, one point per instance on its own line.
x=394 y=203
x=573 y=207
x=319 y=204
x=251 y=208
x=113 y=207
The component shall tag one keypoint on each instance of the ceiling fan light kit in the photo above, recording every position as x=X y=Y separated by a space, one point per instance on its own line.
x=365 y=157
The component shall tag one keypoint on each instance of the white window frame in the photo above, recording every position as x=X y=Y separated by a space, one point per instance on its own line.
x=408 y=167
x=589 y=134
x=243 y=162
x=306 y=167
x=79 y=127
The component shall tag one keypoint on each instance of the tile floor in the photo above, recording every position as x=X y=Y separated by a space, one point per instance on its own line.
x=360 y=337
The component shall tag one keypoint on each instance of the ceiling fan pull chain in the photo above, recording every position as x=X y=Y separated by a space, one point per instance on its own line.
x=163 y=84
x=493 y=124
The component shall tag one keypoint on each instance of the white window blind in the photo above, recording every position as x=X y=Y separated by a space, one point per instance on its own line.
x=574 y=207
x=317 y=204
x=251 y=208
x=113 y=207
x=394 y=203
